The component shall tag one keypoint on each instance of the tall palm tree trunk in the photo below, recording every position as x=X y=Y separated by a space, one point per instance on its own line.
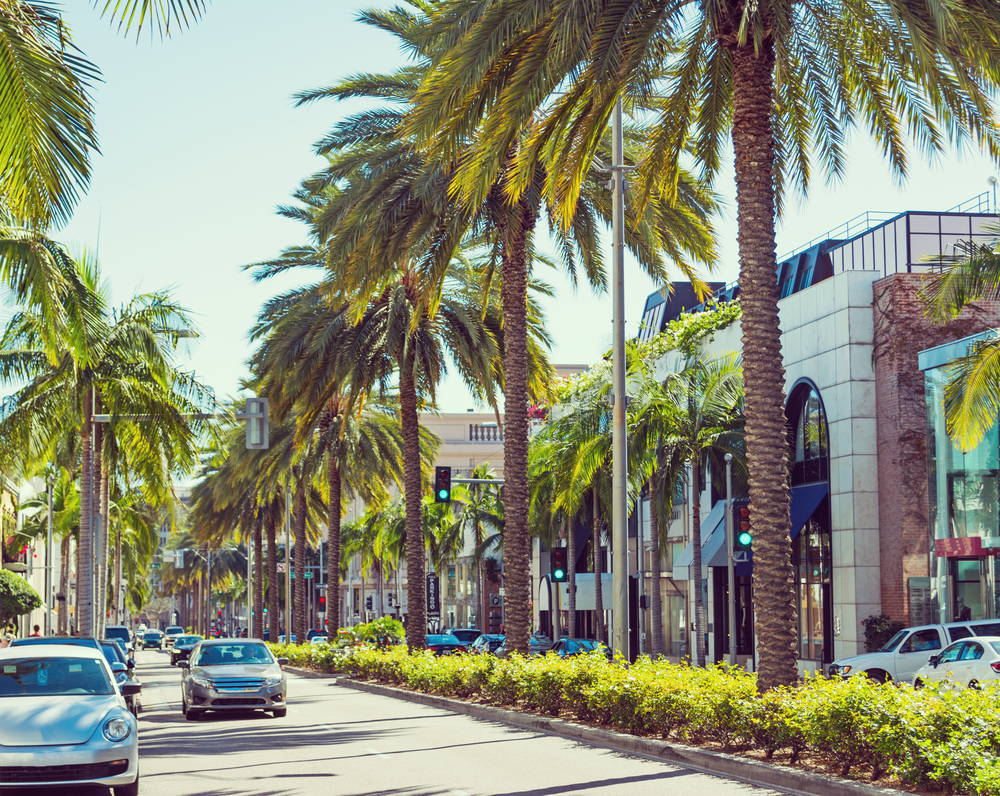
x=517 y=574
x=84 y=572
x=595 y=542
x=333 y=549
x=300 y=611
x=274 y=606
x=767 y=447
x=105 y=544
x=571 y=576
x=698 y=648
x=655 y=598
x=100 y=579
x=64 y=567
x=416 y=613
x=258 y=579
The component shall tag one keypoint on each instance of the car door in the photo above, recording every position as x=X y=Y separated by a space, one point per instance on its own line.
x=966 y=667
x=915 y=651
x=946 y=660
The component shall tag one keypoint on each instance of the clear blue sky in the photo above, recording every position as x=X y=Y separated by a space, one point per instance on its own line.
x=200 y=142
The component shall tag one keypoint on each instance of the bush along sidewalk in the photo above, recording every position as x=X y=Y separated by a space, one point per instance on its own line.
x=930 y=739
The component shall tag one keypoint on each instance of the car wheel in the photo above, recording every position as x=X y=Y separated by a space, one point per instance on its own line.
x=192 y=715
x=128 y=790
x=280 y=713
x=879 y=676
x=975 y=685
x=918 y=683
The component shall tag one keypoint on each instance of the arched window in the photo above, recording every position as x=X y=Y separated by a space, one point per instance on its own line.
x=810 y=446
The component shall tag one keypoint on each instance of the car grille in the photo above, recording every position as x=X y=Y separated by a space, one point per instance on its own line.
x=245 y=684
x=28 y=774
x=232 y=702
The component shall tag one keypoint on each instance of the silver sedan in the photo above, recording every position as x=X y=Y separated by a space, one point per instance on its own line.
x=233 y=674
x=64 y=720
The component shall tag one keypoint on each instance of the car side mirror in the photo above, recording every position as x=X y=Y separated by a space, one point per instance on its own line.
x=282 y=661
x=130 y=663
x=934 y=660
x=118 y=668
x=130 y=688
x=184 y=664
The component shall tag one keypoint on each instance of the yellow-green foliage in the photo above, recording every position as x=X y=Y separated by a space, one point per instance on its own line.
x=929 y=738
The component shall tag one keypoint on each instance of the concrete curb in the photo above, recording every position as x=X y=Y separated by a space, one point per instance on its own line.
x=706 y=761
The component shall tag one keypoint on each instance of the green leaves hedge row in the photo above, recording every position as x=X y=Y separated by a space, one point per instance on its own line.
x=933 y=737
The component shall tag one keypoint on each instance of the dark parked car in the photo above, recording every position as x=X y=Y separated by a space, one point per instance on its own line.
x=182 y=648
x=152 y=639
x=123 y=633
x=233 y=674
x=486 y=643
x=565 y=647
x=538 y=644
x=466 y=635
x=444 y=645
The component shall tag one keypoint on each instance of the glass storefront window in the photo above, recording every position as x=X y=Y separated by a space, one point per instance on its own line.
x=811 y=559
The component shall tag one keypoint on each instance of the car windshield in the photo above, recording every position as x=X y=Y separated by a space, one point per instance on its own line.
x=894 y=641
x=233 y=654
x=175 y=631
x=442 y=640
x=53 y=676
x=152 y=634
x=578 y=646
x=182 y=640
x=111 y=653
x=466 y=635
x=117 y=632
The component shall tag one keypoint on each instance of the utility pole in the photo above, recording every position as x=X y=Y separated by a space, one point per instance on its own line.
x=48 y=562
x=619 y=494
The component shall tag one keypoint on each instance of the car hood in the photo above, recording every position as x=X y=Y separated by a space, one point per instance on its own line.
x=859 y=661
x=235 y=670
x=52 y=720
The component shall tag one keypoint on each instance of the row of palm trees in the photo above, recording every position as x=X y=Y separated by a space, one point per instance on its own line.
x=496 y=122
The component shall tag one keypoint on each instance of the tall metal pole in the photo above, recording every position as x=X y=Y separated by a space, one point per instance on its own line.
x=249 y=600
x=732 y=568
x=208 y=594
x=288 y=563
x=619 y=502
x=48 y=563
x=640 y=561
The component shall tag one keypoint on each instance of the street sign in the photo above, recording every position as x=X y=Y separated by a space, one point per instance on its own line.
x=281 y=567
x=433 y=595
x=308 y=574
x=496 y=600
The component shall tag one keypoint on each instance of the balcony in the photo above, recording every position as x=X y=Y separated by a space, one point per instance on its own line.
x=485 y=432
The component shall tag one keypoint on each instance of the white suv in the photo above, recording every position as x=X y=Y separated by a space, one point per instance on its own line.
x=170 y=635
x=910 y=649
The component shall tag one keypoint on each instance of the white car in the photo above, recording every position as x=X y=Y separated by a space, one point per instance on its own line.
x=319 y=640
x=171 y=634
x=64 y=721
x=968 y=663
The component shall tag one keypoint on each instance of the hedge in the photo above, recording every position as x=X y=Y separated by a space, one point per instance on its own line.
x=932 y=738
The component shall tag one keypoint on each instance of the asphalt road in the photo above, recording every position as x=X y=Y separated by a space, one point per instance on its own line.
x=340 y=742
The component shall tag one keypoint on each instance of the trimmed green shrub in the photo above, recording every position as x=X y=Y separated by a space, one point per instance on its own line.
x=16 y=597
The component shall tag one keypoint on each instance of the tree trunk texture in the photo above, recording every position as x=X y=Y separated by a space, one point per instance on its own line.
x=300 y=610
x=258 y=579
x=64 y=568
x=274 y=606
x=655 y=598
x=698 y=650
x=333 y=550
x=85 y=568
x=105 y=544
x=595 y=543
x=571 y=577
x=100 y=578
x=117 y=602
x=767 y=445
x=517 y=573
x=416 y=614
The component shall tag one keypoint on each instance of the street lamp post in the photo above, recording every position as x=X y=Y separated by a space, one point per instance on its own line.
x=732 y=568
x=48 y=562
x=619 y=502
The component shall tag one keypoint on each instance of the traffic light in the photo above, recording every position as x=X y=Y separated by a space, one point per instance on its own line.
x=322 y=603
x=368 y=602
x=742 y=530
x=557 y=560
x=442 y=484
x=220 y=614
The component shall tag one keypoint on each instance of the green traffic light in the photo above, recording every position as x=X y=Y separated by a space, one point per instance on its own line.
x=559 y=574
x=443 y=494
x=745 y=539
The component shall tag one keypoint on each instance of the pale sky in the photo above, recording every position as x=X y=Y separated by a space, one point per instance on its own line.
x=200 y=142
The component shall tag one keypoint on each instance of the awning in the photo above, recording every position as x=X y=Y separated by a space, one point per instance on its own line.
x=804 y=501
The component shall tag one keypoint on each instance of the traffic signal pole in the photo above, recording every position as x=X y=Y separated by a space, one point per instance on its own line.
x=730 y=544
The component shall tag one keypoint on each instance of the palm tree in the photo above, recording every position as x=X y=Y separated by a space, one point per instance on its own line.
x=702 y=405
x=785 y=81
x=405 y=209
x=124 y=359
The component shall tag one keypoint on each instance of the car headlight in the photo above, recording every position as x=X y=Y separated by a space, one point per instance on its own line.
x=272 y=680
x=201 y=681
x=117 y=729
x=121 y=677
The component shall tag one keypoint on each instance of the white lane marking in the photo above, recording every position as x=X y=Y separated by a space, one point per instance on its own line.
x=459 y=793
x=326 y=727
x=376 y=752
